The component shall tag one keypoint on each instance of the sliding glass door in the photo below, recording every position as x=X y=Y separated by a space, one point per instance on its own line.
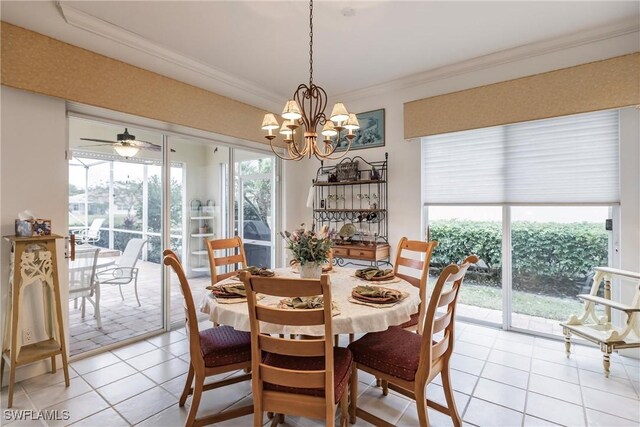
x=115 y=213
x=554 y=250
x=255 y=205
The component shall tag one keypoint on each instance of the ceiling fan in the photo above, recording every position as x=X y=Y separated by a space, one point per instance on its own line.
x=127 y=145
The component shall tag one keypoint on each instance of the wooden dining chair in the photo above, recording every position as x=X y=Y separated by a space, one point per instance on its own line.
x=414 y=270
x=237 y=258
x=212 y=351
x=409 y=361
x=296 y=377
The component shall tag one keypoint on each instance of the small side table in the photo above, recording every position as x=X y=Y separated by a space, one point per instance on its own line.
x=33 y=260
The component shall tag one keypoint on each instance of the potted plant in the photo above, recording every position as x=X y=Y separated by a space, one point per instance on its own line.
x=310 y=249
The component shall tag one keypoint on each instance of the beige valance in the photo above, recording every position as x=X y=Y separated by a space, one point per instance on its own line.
x=37 y=63
x=601 y=85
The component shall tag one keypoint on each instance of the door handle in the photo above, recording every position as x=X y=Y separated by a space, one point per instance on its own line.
x=70 y=247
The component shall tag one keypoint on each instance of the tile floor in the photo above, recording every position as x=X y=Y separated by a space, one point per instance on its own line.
x=124 y=319
x=500 y=378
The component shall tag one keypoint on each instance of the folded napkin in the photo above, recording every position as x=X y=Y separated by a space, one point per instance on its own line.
x=306 y=303
x=228 y=290
x=259 y=271
x=377 y=294
x=374 y=273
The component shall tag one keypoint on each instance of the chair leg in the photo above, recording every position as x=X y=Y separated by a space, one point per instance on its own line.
x=53 y=364
x=448 y=395
x=121 y=296
x=344 y=409
x=421 y=406
x=82 y=307
x=195 y=401
x=96 y=308
x=353 y=392
x=385 y=388
x=187 y=386
x=135 y=289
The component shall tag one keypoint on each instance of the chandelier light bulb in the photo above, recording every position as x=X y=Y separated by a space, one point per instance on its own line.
x=352 y=123
x=291 y=110
x=329 y=130
x=339 y=113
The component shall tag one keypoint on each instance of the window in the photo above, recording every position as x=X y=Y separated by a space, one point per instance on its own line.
x=531 y=200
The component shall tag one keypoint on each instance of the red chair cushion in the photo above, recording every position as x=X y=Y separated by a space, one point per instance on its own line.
x=395 y=352
x=342 y=368
x=411 y=322
x=223 y=345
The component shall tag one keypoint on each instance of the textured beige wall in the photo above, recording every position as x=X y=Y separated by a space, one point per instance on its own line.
x=37 y=63
x=611 y=83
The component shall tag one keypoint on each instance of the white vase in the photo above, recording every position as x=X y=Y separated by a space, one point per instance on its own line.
x=310 y=270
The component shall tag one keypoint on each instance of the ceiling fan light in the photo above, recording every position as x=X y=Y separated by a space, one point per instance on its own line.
x=269 y=122
x=126 y=151
x=291 y=110
x=339 y=113
x=352 y=122
x=329 y=130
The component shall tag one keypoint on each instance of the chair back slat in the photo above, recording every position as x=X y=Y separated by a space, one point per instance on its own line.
x=447 y=297
x=226 y=260
x=411 y=263
x=287 y=347
x=320 y=346
x=286 y=287
x=440 y=323
x=292 y=378
x=232 y=255
x=415 y=281
x=440 y=348
x=191 y=319
x=221 y=277
x=290 y=317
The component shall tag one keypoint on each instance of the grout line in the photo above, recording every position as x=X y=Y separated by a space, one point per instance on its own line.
x=526 y=395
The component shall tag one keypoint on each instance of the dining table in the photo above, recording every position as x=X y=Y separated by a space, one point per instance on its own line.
x=350 y=316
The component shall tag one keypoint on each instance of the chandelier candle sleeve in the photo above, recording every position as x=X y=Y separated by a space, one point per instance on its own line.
x=306 y=109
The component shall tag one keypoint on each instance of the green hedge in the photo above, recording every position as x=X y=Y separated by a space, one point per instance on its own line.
x=548 y=258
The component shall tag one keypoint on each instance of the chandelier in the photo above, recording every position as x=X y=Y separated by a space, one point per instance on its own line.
x=304 y=113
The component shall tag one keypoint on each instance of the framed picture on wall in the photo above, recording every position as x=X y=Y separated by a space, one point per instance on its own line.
x=370 y=134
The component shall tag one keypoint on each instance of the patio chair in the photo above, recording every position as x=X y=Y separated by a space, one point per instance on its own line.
x=125 y=271
x=91 y=234
x=83 y=284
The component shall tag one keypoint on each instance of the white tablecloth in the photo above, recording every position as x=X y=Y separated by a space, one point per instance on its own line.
x=353 y=318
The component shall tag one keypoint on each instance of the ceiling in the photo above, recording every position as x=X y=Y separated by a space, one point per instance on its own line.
x=257 y=51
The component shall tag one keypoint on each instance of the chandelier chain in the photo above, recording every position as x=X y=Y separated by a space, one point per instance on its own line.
x=310 y=43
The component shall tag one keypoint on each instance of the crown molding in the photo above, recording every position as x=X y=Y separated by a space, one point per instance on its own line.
x=497 y=58
x=223 y=82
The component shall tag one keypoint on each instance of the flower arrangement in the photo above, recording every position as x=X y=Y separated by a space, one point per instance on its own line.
x=309 y=246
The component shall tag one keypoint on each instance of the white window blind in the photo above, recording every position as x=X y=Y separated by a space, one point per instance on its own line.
x=566 y=160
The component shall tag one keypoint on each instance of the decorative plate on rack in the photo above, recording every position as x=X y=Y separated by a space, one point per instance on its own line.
x=347 y=231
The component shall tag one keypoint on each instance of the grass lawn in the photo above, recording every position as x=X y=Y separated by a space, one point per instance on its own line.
x=523 y=302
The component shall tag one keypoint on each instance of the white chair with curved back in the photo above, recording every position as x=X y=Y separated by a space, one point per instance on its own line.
x=125 y=271
x=91 y=234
